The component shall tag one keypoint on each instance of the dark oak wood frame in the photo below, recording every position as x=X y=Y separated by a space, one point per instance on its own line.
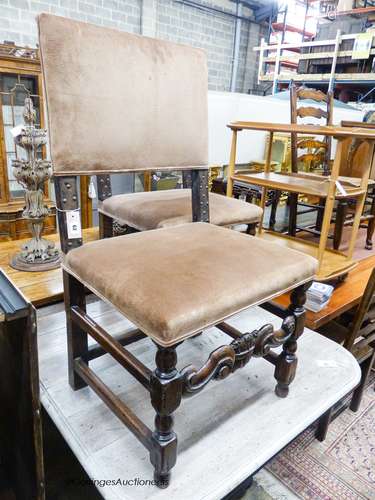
x=166 y=384
x=21 y=444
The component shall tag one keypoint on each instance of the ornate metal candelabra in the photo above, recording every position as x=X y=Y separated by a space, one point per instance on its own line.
x=37 y=254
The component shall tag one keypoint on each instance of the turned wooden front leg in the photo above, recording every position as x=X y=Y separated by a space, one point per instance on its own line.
x=166 y=393
x=286 y=363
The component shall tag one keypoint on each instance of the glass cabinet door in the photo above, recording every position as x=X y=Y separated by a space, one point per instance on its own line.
x=13 y=91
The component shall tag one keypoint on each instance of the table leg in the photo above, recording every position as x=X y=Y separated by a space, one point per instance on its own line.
x=262 y=206
x=232 y=164
x=329 y=204
x=323 y=424
x=360 y=202
x=328 y=210
x=341 y=213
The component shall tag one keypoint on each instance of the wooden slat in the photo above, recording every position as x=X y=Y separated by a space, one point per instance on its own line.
x=307 y=111
x=289 y=46
x=315 y=95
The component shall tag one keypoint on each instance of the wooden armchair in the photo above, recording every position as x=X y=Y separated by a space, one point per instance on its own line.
x=318 y=157
x=344 y=216
x=355 y=330
x=167 y=282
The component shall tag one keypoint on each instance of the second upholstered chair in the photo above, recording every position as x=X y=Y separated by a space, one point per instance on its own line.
x=167 y=282
x=167 y=208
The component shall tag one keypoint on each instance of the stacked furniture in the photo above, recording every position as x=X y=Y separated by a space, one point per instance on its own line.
x=171 y=283
x=332 y=264
x=344 y=217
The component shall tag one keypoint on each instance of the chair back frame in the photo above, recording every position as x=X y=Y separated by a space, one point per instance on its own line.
x=67 y=200
x=148 y=113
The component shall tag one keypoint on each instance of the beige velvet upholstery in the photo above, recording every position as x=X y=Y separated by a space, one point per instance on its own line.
x=121 y=102
x=156 y=209
x=174 y=282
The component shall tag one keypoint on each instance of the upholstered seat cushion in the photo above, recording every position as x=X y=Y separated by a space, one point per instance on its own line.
x=156 y=209
x=174 y=282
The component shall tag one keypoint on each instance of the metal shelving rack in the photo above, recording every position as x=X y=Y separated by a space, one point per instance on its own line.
x=285 y=58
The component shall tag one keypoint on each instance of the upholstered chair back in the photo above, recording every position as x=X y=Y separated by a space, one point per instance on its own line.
x=119 y=102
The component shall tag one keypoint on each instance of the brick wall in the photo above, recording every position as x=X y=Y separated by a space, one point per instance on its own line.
x=167 y=19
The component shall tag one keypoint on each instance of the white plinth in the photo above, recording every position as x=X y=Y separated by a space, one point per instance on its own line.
x=225 y=433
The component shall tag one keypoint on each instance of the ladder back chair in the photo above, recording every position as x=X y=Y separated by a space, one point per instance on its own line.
x=355 y=330
x=316 y=153
x=320 y=156
x=320 y=150
x=166 y=281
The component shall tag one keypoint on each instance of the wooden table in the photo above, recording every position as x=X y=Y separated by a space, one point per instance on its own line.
x=346 y=295
x=43 y=287
x=331 y=264
x=225 y=435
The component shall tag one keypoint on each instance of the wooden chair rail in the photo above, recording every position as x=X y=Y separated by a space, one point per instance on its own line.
x=298 y=183
x=112 y=346
x=119 y=408
x=95 y=351
x=324 y=130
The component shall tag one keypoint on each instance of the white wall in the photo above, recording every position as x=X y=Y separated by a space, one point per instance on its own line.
x=224 y=107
